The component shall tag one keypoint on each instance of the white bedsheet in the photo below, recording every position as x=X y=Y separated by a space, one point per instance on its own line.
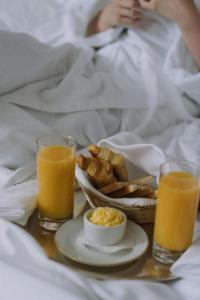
x=25 y=272
x=136 y=83
x=86 y=94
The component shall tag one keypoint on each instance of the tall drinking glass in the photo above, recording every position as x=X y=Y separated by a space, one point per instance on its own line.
x=178 y=196
x=55 y=172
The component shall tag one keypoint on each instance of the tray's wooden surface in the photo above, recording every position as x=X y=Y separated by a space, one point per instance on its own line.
x=144 y=268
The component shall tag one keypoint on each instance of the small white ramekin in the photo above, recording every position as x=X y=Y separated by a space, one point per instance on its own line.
x=104 y=235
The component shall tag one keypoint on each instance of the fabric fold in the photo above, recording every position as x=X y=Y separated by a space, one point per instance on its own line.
x=147 y=157
x=24 y=267
x=188 y=266
x=18 y=202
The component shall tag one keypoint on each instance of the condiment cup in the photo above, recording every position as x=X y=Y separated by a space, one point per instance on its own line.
x=104 y=235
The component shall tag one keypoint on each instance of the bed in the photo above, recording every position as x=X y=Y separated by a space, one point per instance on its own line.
x=53 y=80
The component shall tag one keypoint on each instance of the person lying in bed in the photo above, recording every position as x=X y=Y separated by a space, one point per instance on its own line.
x=129 y=12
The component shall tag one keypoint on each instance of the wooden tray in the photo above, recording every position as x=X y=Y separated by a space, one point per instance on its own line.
x=145 y=268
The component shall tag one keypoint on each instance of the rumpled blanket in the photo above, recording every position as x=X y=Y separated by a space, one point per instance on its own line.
x=53 y=80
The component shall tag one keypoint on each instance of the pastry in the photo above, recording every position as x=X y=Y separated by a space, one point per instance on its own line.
x=113 y=187
x=115 y=159
x=100 y=172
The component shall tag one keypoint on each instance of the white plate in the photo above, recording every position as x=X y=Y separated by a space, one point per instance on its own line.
x=68 y=245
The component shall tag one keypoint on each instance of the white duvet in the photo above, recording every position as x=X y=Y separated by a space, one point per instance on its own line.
x=144 y=81
x=141 y=80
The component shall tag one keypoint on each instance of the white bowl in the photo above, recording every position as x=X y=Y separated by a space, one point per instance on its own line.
x=104 y=235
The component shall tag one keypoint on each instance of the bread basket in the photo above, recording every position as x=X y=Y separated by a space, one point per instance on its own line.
x=137 y=213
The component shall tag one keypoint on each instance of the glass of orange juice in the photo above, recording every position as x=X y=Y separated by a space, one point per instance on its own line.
x=55 y=172
x=177 y=203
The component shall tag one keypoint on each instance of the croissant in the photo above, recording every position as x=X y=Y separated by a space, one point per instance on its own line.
x=100 y=172
x=115 y=159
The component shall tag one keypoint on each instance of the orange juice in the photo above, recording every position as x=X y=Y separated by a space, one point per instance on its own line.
x=55 y=170
x=178 y=195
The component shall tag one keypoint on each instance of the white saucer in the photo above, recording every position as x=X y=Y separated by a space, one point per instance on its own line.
x=67 y=244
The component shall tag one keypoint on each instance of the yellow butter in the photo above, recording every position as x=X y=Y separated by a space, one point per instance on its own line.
x=106 y=216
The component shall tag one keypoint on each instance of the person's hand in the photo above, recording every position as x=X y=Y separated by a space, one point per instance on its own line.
x=120 y=12
x=179 y=11
x=186 y=15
